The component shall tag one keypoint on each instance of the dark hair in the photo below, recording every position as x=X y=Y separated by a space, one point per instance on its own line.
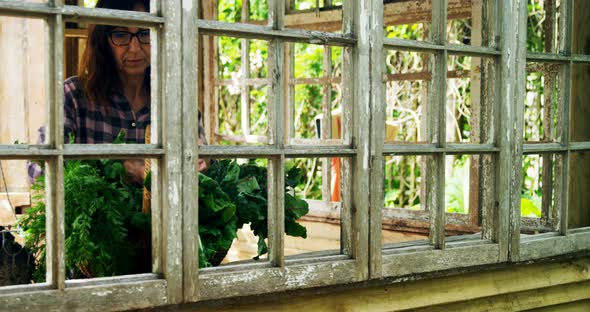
x=98 y=71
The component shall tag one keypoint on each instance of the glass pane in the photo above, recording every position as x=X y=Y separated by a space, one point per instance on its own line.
x=315 y=84
x=22 y=223
x=470 y=99
x=323 y=15
x=238 y=110
x=468 y=194
x=313 y=207
x=107 y=217
x=406 y=95
x=542 y=25
x=240 y=11
x=233 y=212
x=580 y=29
x=579 y=181
x=466 y=22
x=23 y=80
x=537 y=202
x=542 y=107
x=407 y=20
x=580 y=106
x=405 y=215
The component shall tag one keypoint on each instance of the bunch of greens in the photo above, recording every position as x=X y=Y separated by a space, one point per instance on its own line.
x=228 y=185
x=106 y=233
x=102 y=218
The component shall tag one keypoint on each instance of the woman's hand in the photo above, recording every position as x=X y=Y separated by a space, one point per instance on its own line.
x=203 y=164
x=135 y=171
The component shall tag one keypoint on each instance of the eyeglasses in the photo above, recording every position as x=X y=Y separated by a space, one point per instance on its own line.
x=123 y=38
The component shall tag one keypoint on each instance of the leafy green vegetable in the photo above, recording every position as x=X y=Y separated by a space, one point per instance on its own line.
x=103 y=220
x=243 y=186
x=107 y=234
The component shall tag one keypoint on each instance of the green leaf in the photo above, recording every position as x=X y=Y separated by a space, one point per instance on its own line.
x=298 y=207
x=248 y=185
x=262 y=247
x=293 y=228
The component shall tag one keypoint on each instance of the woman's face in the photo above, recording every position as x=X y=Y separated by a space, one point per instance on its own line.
x=132 y=58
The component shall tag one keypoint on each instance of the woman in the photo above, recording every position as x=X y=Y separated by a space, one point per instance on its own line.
x=112 y=90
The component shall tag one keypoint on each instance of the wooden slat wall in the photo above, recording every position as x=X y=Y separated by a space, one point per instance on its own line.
x=539 y=285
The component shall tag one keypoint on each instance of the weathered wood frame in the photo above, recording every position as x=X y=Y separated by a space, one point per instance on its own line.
x=176 y=276
x=279 y=272
x=441 y=252
x=562 y=239
x=57 y=293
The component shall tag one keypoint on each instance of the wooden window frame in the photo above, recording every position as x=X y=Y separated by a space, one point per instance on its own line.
x=176 y=68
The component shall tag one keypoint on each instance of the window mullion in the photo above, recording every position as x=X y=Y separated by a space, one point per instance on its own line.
x=562 y=179
x=362 y=11
x=172 y=144
x=346 y=126
x=512 y=67
x=190 y=143
x=436 y=126
x=376 y=140
x=155 y=137
x=55 y=250
x=276 y=170
x=326 y=131
x=245 y=74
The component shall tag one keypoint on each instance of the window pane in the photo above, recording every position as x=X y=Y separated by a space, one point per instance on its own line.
x=233 y=212
x=316 y=197
x=542 y=25
x=406 y=96
x=23 y=80
x=470 y=99
x=405 y=215
x=241 y=11
x=107 y=217
x=22 y=223
x=315 y=88
x=324 y=16
x=469 y=195
x=542 y=109
x=471 y=23
x=235 y=95
x=537 y=204
x=580 y=29
x=407 y=20
x=579 y=181
x=580 y=109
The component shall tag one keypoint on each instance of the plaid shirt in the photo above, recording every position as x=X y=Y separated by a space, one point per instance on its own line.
x=96 y=124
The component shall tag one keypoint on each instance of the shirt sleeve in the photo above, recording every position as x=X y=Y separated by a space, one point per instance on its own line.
x=33 y=168
x=202 y=136
x=70 y=114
